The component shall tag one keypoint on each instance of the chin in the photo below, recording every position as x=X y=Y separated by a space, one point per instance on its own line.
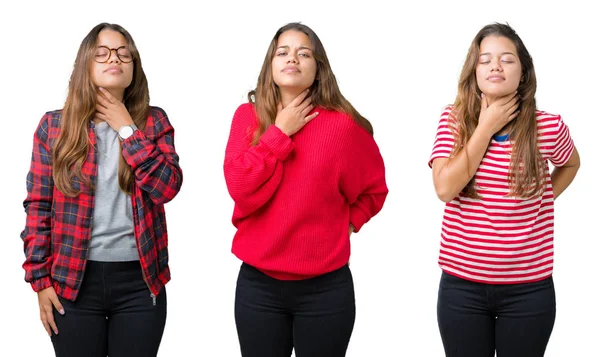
x=293 y=85
x=114 y=86
x=497 y=93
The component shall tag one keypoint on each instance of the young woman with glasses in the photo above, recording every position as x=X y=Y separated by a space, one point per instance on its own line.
x=95 y=239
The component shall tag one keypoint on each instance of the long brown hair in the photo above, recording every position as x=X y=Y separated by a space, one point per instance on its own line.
x=324 y=91
x=526 y=165
x=72 y=145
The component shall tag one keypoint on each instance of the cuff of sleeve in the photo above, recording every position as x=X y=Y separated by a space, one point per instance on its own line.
x=134 y=138
x=357 y=218
x=277 y=142
x=132 y=146
x=41 y=283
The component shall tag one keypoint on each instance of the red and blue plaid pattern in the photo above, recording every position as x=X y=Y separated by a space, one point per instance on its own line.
x=58 y=228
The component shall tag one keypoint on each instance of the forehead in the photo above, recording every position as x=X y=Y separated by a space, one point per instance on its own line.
x=293 y=38
x=111 y=38
x=497 y=44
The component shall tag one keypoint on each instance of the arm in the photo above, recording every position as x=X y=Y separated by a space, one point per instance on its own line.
x=562 y=176
x=38 y=207
x=451 y=175
x=155 y=163
x=565 y=159
x=253 y=173
x=362 y=179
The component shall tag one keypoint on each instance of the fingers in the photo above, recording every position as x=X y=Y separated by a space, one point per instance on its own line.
x=102 y=102
x=307 y=102
x=57 y=305
x=299 y=98
x=45 y=321
x=311 y=117
x=507 y=99
x=101 y=116
x=101 y=109
x=306 y=110
x=513 y=108
x=484 y=104
x=111 y=99
x=279 y=107
x=48 y=318
x=513 y=115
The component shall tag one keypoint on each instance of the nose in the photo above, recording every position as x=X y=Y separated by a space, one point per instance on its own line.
x=496 y=66
x=292 y=58
x=113 y=58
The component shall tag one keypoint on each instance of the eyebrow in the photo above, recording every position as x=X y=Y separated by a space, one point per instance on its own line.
x=300 y=48
x=503 y=53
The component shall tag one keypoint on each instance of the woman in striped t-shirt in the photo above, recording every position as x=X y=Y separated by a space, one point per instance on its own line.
x=490 y=166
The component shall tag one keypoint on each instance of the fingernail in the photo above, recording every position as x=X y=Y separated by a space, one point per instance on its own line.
x=317 y=113
x=61 y=311
x=102 y=89
x=56 y=332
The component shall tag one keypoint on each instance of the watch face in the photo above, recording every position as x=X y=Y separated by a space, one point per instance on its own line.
x=125 y=132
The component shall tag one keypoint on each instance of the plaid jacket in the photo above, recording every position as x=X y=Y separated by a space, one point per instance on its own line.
x=58 y=228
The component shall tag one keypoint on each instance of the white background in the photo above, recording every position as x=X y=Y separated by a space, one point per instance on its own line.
x=398 y=65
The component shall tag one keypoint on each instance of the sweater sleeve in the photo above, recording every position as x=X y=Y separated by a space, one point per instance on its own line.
x=362 y=179
x=153 y=160
x=38 y=207
x=253 y=172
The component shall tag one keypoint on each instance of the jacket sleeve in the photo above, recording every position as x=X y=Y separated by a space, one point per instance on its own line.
x=38 y=208
x=362 y=179
x=253 y=172
x=153 y=160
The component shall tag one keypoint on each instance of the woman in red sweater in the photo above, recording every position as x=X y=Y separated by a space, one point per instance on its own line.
x=304 y=172
x=490 y=166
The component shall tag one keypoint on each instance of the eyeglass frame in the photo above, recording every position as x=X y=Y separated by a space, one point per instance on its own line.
x=110 y=50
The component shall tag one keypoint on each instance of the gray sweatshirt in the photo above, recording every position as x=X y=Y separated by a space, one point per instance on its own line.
x=112 y=229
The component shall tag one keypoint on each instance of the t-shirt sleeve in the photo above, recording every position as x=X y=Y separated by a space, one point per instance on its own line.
x=444 y=139
x=563 y=144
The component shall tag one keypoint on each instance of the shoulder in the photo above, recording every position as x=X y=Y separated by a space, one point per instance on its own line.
x=542 y=116
x=337 y=119
x=157 y=121
x=49 y=125
x=447 y=113
x=547 y=121
x=157 y=113
x=245 y=108
x=245 y=116
x=245 y=112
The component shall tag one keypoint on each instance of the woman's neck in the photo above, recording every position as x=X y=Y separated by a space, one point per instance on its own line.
x=288 y=95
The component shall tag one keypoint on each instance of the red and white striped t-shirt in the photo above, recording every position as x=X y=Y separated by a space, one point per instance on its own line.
x=500 y=239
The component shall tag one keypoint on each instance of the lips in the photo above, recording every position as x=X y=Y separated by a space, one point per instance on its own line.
x=495 y=78
x=113 y=69
x=290 y=69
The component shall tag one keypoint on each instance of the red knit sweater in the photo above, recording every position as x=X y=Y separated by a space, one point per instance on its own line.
x=296 y=196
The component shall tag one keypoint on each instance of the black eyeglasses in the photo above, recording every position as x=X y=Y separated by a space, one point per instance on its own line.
x=103 y=53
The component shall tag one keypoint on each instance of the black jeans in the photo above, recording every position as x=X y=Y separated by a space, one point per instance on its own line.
x=114 y=315
x=314 y=316
x=476 y=319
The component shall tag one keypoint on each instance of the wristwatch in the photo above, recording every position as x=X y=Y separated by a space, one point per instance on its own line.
x=126 y=131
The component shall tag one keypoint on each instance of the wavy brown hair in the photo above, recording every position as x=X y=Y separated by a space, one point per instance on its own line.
x=526 y=165
x=324 y=91
x=72 y=145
